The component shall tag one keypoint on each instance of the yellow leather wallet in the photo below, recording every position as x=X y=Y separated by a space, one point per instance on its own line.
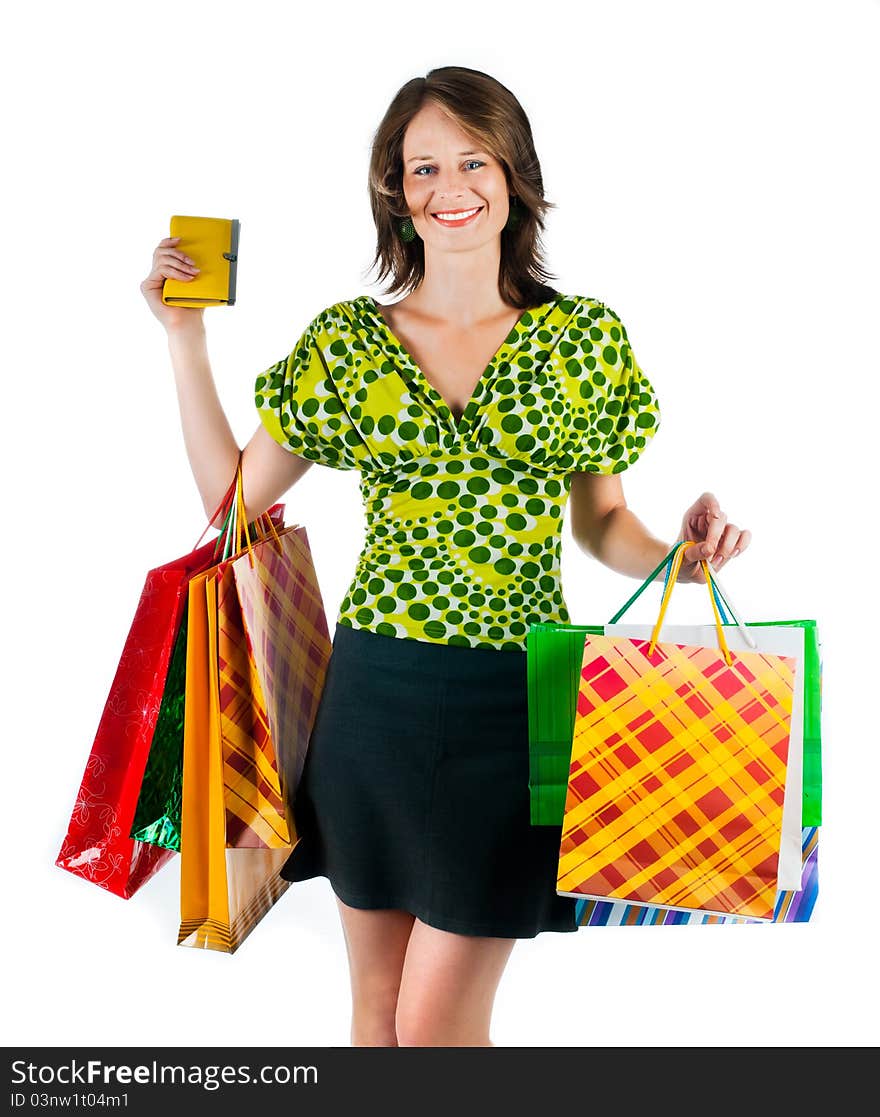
x=213 y=243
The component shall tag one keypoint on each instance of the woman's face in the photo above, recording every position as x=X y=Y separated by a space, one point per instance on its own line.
x=443 y=171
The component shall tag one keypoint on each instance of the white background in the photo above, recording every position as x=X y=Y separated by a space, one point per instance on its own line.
x=715 y=172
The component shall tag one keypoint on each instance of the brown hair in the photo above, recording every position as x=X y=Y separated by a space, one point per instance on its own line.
x=490 y=113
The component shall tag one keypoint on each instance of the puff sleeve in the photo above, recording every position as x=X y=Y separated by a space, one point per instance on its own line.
x=618 y=411
x=299 y=404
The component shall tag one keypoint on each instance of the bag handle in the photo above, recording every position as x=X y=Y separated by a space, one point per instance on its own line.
x=263 y=521
x=226 y=499
x=719 y=596
x=675 y=566
x=231 y=528
x=667 y=562
x=722 y=598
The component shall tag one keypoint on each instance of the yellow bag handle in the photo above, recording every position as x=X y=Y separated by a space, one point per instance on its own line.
x=264 y=519
x=237 y=507
x=675 y=567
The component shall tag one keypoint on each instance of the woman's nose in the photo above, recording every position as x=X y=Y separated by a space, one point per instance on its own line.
x=450 y=186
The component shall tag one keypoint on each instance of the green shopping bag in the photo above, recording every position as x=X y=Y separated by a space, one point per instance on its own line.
x=157 y=817
x=812 y=797
x=554 y=653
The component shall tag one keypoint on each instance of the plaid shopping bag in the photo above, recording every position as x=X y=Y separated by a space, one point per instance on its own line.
x=553 y=661
x=792 y=905
x=678 y=770
x=783 y=640
x=257 y=652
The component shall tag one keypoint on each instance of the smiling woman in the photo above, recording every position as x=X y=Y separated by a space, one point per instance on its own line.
x=453 y=142
x=467 y=406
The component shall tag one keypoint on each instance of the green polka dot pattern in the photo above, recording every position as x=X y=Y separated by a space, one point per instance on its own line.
x=463 y=540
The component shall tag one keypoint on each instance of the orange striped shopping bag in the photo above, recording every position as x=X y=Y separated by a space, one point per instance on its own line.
x=258 y=645
x=678 y=770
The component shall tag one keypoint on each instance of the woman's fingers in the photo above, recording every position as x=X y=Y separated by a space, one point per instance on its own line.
x=744 y=539
x=181 y=265
x=733 y=542
x=715 y=540
x=169 y=262
x=175 y=270
x=725 y=545
x=715 y=529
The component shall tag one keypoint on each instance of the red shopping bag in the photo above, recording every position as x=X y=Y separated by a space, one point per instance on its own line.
x=98 y=846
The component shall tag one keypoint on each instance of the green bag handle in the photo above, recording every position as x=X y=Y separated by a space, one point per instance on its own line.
x=716 y=593
x=667 y=562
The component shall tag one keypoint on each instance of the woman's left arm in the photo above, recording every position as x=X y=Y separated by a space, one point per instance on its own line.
x=603 y=526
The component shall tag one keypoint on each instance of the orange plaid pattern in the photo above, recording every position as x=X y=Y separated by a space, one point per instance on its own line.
x=247 y=707
x=677 y=777
x=255 y=810
x=224 y=892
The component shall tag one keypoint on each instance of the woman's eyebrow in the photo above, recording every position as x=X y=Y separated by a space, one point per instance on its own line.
x=416 y=157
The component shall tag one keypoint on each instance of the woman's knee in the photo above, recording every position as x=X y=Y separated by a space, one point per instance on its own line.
x=376 y=944
x=448 y=988
x=373 y=1012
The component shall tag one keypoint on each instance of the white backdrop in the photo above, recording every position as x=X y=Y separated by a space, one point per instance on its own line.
x=715 y=171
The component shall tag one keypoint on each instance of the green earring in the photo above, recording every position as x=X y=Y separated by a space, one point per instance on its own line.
x=406 y=230
x=514 y=217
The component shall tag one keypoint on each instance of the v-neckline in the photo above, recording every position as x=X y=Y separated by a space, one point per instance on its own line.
x=511 y=341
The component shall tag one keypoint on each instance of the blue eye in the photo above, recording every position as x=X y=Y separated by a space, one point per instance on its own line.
x=427 y=168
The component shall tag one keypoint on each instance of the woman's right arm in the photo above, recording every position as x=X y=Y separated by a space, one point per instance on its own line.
x=267 y=469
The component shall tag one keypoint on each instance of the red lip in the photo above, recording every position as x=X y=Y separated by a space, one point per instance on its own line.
x=458 y=222
x=463 y=210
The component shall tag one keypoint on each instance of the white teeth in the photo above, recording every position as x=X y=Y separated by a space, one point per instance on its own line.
x=457 y=216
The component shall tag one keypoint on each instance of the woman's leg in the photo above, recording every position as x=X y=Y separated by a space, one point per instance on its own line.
x=448 y=987
x=376 y=942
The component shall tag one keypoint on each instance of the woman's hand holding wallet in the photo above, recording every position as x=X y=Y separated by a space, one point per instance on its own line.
x=170 y=263
x=196 y=266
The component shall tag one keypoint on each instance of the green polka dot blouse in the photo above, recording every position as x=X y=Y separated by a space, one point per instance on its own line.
x=463 y=519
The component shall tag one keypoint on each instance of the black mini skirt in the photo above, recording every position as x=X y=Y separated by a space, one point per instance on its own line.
x=414 y=794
